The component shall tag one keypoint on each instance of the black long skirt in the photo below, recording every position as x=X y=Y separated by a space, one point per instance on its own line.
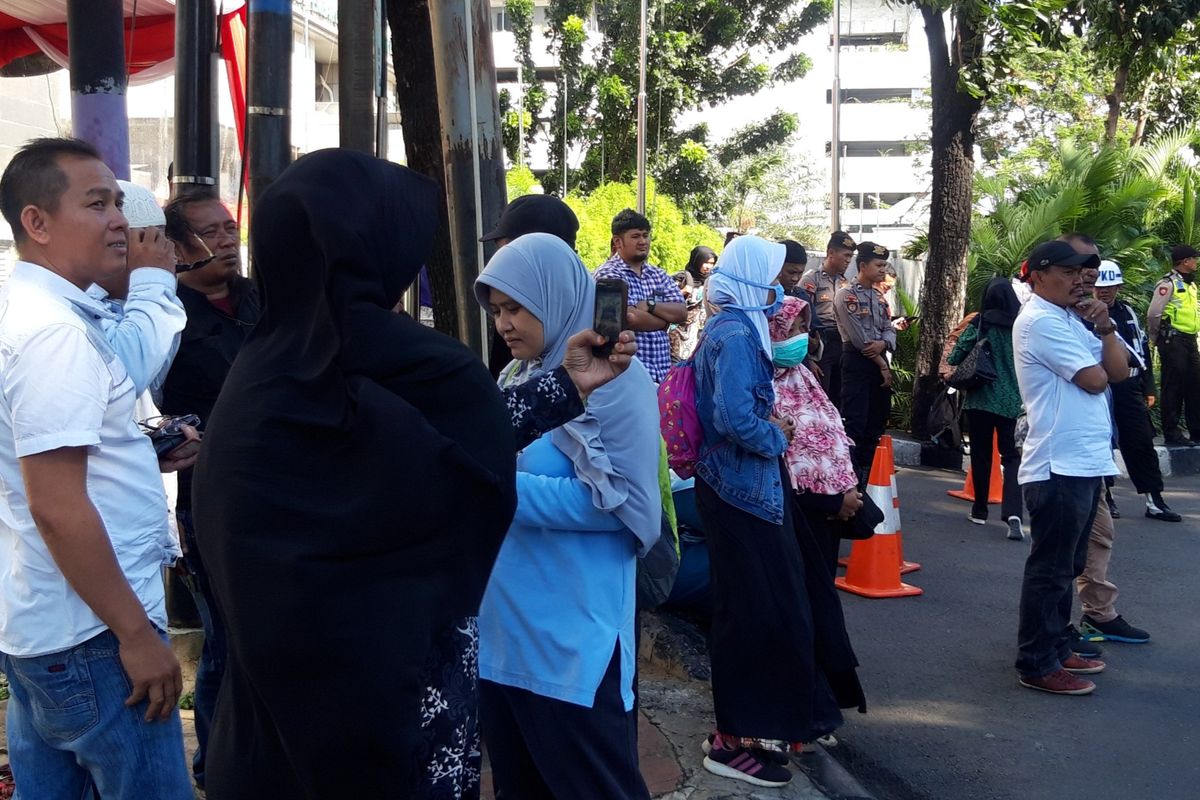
x=767 y=689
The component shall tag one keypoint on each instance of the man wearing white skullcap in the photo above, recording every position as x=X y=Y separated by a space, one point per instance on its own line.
x=147 y=317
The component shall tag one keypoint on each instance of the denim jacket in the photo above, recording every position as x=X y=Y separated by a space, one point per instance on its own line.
x=734 y=398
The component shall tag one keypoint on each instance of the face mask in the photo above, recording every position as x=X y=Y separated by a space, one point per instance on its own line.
x=790 y=352
x=773 y=308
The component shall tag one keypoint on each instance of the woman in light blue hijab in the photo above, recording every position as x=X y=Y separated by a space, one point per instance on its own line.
x=768 y=695
x=556 y=629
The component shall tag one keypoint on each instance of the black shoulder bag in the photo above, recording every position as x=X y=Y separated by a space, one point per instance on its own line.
x=978 y=368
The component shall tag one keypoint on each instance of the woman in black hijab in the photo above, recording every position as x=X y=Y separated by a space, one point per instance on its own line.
x=700 y=263
x=356 y=482
x=993 y=408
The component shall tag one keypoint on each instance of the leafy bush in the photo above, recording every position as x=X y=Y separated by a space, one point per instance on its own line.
x=672 y=237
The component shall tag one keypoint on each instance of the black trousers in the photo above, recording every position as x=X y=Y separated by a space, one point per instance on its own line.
x=831 y=365
x=1180 y=386
x=1135 y=435
x=546 y=749
x=865 y=407
x=1061 y=511
x=982 y=425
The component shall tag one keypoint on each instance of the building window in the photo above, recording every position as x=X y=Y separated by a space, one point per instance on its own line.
x=874 y=95
x=873 y=149
x=500 y=20
x=871 y=39
x=326 y=82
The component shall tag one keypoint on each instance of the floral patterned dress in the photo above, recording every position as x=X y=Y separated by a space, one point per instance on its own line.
x=818 y=459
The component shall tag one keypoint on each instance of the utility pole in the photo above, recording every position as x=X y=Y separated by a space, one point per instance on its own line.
x=268 y=93
x=96 y=41
x=641 y=116
x=835 y=150
x=472 y=146
x=357 y=21
x=381 y=83
x=197 y=148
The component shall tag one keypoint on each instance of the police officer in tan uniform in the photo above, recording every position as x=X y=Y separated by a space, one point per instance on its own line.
x=822 y=286
x=865 y=325
x=1172 y=322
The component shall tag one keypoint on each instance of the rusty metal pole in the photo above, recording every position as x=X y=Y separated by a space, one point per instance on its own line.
x=471 y=145
x=96 y=40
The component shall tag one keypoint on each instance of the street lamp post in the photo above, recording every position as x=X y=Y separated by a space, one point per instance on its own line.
x=835 y=151
x=641 y=116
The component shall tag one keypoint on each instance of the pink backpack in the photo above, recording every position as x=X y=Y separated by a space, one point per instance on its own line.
x=679 y=420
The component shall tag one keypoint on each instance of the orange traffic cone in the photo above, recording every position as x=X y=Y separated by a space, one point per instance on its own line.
x=995 y=485
x=874 y=569
x=887 y=448
x=885 y=443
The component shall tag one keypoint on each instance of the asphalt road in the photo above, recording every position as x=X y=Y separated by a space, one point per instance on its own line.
x=946 y=718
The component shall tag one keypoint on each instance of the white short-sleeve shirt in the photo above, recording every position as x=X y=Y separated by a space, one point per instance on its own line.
x=62 y=385
x=1070 y=432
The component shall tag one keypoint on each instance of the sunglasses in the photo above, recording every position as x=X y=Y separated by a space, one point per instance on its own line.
x=209 y=256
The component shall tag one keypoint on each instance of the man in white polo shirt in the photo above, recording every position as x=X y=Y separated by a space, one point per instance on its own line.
x=93 y=681
x=1063 y=371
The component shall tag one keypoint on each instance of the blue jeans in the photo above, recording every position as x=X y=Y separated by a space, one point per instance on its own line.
x=212 y=657
x=70 y=734
x=1061 y=511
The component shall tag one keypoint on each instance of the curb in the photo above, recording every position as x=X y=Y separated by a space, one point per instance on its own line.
x=830 y=777
x=911 y=453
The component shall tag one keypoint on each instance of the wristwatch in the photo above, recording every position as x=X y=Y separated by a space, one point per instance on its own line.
x=651 y=304
x=1112 y=328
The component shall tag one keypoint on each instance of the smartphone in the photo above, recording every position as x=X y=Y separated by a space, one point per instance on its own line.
x=911 y=319
x=608 y=318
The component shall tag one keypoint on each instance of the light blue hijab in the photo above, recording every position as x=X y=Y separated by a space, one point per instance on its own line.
x=614 y=444
x=745 y=268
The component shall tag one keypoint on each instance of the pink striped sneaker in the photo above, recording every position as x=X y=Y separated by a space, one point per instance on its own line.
x=745 y=764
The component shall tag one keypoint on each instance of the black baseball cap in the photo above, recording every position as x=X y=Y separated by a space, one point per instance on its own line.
x=1060 y=253
x=536 y=213
x=1182 y=251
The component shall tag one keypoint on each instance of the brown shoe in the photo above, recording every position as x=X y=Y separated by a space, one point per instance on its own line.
x=1059 y=682
x=1083 y=666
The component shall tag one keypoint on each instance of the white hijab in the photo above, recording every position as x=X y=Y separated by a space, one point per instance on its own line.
x=744 y=275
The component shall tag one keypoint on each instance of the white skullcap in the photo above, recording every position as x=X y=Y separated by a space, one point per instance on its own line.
x=141 y=209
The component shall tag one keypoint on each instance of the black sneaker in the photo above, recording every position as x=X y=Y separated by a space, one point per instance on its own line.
x=775 y=756
x=1115 y=630
x=1176 y=441
x=746 y=764
x=1112 y=505
x=1157 y=508
x=1083 y=647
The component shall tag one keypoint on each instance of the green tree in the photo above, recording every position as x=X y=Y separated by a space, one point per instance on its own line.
x=700 y=52
x=533 y=95
x=519 y=180
x=672 y=236
x=1137 y=41
x=966 y=63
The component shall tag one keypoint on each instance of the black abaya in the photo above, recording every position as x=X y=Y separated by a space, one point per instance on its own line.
x=356 y=481
x=767 y=681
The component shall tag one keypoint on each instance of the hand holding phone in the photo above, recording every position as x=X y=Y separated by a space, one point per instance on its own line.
x=609 y=314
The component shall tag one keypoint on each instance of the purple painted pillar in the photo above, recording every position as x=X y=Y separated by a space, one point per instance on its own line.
x=96 y=41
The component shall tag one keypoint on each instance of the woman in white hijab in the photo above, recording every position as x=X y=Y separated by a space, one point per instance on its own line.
x=768 y=695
